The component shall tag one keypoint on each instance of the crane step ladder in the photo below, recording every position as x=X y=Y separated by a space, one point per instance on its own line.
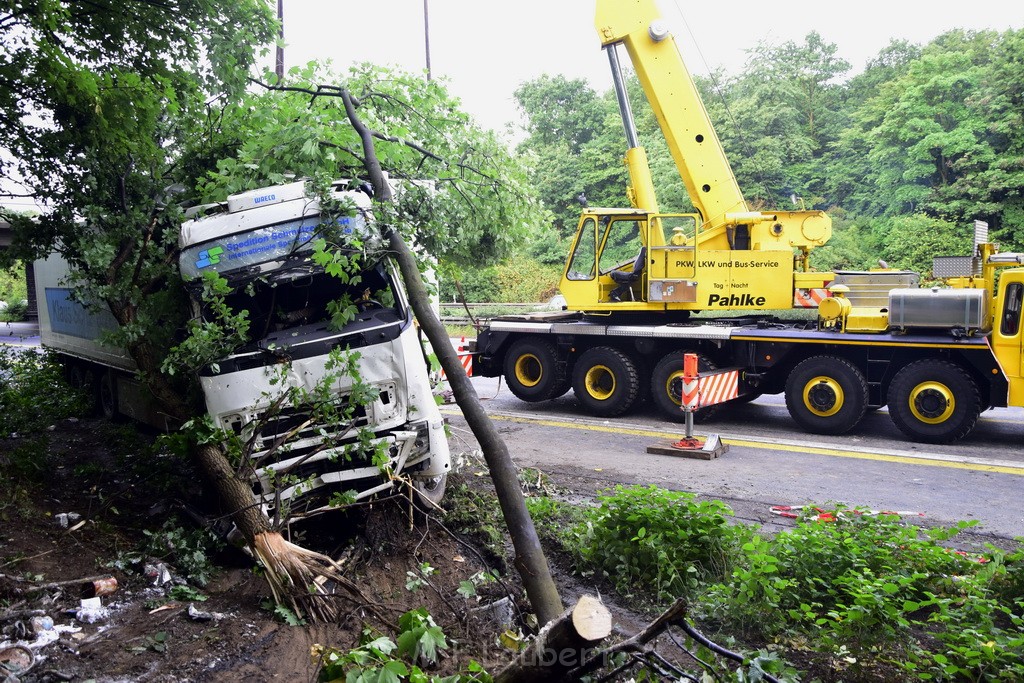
x=698 y=391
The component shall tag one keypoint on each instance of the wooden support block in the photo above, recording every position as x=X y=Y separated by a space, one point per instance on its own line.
x=712 y=448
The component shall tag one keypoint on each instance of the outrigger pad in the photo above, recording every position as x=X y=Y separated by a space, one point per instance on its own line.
x=709 y=449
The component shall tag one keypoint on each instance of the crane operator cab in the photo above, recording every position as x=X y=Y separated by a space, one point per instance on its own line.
x=630 y=260
x=608 y=260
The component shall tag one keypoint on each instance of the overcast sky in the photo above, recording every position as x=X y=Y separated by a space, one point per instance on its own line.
x=487 y=48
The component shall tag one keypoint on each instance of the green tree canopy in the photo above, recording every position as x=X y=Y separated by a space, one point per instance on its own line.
x=73 y=74
x=934 y=130
x=464 y=195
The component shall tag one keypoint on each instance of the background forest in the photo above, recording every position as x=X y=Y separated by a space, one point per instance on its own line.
x=904 y=155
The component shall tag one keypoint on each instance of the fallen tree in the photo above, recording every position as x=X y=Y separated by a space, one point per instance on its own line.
x=529 y=559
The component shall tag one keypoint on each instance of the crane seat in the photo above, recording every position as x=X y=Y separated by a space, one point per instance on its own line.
x=625 y=279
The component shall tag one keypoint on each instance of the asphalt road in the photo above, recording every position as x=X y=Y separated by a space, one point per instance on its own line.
x=770 y=462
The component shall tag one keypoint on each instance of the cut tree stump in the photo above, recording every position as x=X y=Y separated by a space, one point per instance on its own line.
x=562 y=645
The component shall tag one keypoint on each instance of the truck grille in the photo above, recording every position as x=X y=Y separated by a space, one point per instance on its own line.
x=308 y=438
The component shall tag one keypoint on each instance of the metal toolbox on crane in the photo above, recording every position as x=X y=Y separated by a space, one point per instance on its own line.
x=871 y=288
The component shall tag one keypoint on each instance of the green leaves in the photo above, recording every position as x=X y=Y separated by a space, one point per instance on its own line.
x=420 y=639
x=460 y=195
x=380 y=660
x=863 y=591
x=648 y=539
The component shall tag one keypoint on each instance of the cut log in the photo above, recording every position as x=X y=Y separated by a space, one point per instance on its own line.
x=562 y=645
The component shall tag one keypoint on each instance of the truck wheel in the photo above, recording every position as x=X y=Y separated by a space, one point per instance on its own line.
x=430 y=489
x=934 y=401
x=826 y=395
x=667 y=387
x=82 y=379
x=106 y=393
x=530 y=371
x=606 y=381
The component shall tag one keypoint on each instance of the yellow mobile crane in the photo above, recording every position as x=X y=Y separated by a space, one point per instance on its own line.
x=724 y=256
x=936 y=356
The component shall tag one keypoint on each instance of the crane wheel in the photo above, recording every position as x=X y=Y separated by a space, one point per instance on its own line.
x=667 y=387
x=826 y=395
x=531 y=371
x=606 y=381
x=934 y=401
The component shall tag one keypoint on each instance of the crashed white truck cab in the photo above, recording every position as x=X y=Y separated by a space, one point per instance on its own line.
x=261 y=242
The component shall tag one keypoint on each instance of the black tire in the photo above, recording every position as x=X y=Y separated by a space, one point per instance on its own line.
x=667 y=387
x=531 y=371
x=606 y=381
x=934 y=401
x=826 y=395
x=430 y=490
x=106 y=396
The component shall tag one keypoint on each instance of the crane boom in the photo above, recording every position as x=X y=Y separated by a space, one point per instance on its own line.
x=726 y=256
x=677 y=105
x=691 y=137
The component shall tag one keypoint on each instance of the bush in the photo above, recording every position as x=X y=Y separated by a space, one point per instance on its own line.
x=518 y=280
x=15 y=311
x=33 y=392
x=878 y=589
x=656 y=542
x=13 y=284
x=868 y=596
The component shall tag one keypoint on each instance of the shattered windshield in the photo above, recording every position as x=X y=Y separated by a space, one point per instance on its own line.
x=299 y=301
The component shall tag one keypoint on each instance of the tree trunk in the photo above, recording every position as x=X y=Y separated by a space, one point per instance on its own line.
x=293 y=573
x=562 y=645
x=530 y=559
x=234 y=494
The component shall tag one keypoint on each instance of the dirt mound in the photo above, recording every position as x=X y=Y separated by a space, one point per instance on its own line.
x=89 y=512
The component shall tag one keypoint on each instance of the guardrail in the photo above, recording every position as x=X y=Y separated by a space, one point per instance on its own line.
x=455 y=313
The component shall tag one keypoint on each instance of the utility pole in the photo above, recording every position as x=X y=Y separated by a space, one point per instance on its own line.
x=279 y=61
x=426 y=34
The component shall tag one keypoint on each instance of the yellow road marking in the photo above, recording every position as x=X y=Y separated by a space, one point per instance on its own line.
x=810 y=450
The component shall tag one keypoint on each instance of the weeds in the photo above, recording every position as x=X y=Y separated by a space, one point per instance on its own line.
x=33 y=393
x=420 y=643
x=653 y=542
x=475 y=515
x=864 y=592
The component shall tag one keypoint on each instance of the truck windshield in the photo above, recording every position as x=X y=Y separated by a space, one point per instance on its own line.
x=292 y=306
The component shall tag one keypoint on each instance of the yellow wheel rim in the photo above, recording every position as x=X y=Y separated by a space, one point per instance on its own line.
x=600 y=382
x=932 y=402
x=823 y=396
x=529 y=370
x=674 y=388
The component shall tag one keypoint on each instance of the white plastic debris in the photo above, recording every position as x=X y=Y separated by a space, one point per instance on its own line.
x=91 y=611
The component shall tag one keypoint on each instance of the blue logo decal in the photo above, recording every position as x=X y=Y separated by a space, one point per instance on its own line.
x=209 y=257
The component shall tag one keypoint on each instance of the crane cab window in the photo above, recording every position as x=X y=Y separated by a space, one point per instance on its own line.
x=621 y=243
x=1011 y=309
x=583 y=261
